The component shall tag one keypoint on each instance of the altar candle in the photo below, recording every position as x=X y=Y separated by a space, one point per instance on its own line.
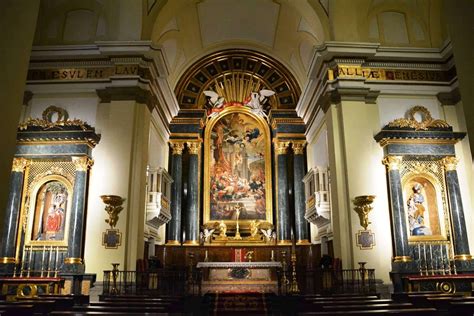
x=424 y=255
x=23 y=259
x=57 y=263
x=42 y=260
x=419 y=252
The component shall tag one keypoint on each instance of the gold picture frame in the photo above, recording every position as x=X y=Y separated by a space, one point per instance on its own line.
x=36 y=214
x=426 y=210
x=239 y=117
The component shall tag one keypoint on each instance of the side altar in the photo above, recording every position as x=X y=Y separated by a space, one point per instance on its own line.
x=240 y=276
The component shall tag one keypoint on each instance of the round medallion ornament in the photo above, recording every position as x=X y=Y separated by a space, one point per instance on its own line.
x=239 y=273
x=446 y=287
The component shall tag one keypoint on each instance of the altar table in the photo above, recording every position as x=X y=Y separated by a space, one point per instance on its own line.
x=240 y=276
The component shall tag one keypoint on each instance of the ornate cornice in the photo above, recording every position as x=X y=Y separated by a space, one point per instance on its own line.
x=136 y=94
x=82 y=163
x=392 y=162
x=19 y=164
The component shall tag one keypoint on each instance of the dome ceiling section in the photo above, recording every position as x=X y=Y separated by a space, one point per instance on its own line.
x=237 y=64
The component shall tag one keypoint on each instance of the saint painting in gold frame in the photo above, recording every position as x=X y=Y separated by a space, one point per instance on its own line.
x=237 y=168
x=50 y=204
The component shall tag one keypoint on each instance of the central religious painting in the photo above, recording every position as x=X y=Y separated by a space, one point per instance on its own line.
x=237 y=167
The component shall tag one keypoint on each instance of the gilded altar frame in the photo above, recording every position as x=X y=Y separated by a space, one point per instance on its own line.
x=31 y=207
x=263 y=126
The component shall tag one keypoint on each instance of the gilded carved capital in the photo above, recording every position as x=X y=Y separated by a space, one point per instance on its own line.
x=82 y=163
x=392 y=162
x=281 y=147
x=194 y=147
x=19 y=164
x=298 y=146
x=177 y=147
x=450 y=163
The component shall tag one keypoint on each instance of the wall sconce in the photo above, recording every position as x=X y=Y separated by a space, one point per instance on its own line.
x=113 y=206
x=363 y=206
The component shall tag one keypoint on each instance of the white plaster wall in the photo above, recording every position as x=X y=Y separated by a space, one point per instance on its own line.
x=394 y=107
x=109 y=175
x=157 y=150
x=454 y=115
x=79 y=105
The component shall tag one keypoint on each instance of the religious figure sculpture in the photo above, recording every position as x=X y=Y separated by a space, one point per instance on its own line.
x=416 y=212
x=254 y=228
x=223 y=230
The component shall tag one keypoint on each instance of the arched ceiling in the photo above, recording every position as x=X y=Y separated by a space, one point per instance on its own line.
x=237 y=68
x=286 y=30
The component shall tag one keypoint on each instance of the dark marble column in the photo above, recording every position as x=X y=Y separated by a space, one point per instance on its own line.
x=401 y=251
x=174 y=225
x=283 y=212
x=12 y=214
x=460 y=240
x=191 y=225
x=301 y=225
x=73 y=261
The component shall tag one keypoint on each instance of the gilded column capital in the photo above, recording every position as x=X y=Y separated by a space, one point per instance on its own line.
x=19 y=164
x=194 y=147
x=450 y=163
x=281 y=147
x=298 y=146
x=177 y=147
x=392 y=162
x=82 y=163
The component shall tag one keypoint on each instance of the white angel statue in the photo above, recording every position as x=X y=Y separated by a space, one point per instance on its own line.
x=215 y=103
x=257 y=100
x=207 y=234
x=267 y=233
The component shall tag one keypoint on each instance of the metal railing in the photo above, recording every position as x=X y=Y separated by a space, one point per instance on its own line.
x=178 y=282
x=329 y=281
x=173 y=282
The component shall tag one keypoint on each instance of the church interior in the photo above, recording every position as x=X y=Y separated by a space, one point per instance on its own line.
x=278 y=157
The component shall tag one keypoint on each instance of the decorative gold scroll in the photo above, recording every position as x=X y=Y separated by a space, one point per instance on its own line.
x=426 y=122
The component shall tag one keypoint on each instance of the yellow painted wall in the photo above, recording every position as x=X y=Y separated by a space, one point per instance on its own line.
x=17 y=25
x=359 y=171
x=119 y=169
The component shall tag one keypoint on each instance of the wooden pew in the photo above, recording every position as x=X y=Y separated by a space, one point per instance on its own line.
x=72 y=313
x=462 y=308
x=354 y=307
x=16 y=309
x=405 y=311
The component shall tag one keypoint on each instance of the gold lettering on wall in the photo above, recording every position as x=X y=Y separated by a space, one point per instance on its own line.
x=350 y=71
x=85 y=73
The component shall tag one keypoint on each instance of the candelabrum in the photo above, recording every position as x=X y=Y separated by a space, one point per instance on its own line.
x=435 y=258
x=363 y=206
x=115 y=271
x=237 y=231
x=294 y=289
x=284 y=267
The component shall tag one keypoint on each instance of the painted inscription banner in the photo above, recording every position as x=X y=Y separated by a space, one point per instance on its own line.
x=87 y=73
x=238 y=166
x=343 y=71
